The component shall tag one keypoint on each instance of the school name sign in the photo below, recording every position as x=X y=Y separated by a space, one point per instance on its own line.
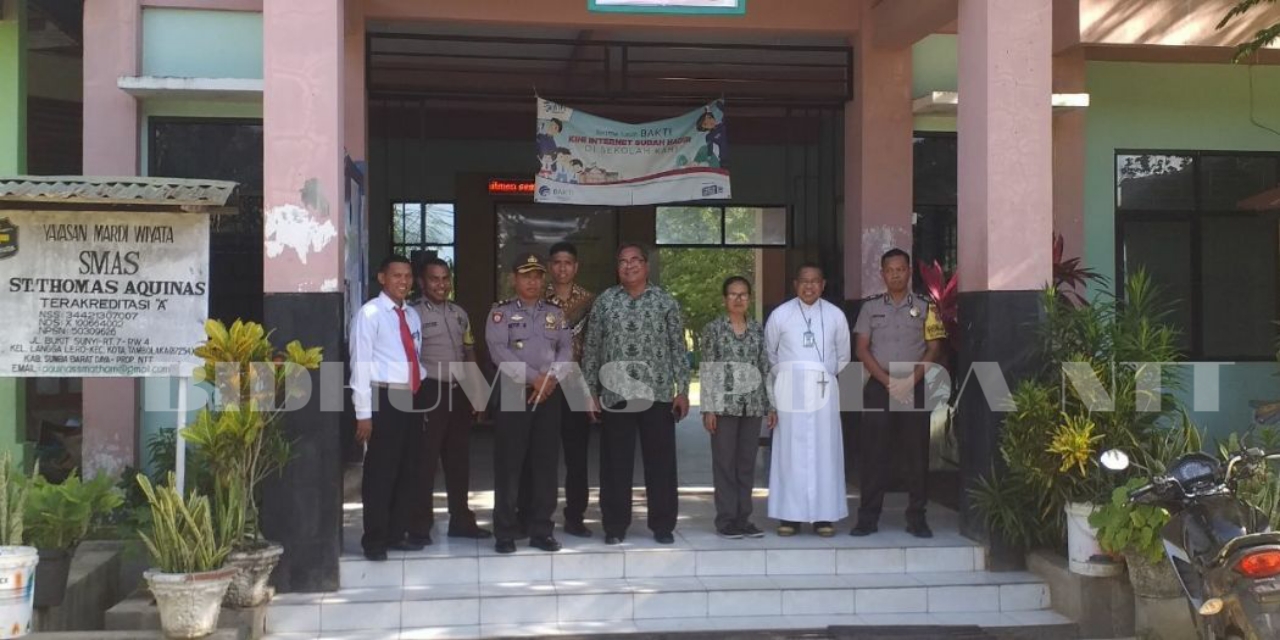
x=102 y=294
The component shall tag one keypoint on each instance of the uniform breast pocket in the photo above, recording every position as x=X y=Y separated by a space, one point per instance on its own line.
x=879 y=322
x=432 y=329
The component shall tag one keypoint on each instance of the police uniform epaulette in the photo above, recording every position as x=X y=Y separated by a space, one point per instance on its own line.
x=502 y=302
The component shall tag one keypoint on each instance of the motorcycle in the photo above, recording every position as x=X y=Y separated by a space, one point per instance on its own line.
x=1223 y=550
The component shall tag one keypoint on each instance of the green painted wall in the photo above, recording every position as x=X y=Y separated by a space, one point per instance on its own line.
x=1177 y=106
x=934 y=67
x=188 y=43
x=13 y=160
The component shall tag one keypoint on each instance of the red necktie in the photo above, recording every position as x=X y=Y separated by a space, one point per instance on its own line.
x=410 y=352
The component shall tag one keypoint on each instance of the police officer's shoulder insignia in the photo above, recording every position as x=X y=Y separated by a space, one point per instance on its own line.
x=497 y=310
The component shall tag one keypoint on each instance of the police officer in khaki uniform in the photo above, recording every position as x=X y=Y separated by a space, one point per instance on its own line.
x=897 y=327
x=446 y=344
x=529 y=340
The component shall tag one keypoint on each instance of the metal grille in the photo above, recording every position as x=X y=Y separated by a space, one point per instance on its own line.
x=503 y=68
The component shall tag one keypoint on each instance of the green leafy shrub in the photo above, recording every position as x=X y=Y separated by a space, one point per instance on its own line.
x=1130 y=528
x=58 y=516
x=181 y=538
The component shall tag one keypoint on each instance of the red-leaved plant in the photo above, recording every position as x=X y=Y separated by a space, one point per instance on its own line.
x=945 y=293
x=1068 y=276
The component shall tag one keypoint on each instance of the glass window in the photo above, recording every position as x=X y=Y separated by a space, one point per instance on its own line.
x=420 y=229
x=1155 y=182
x=755 y=225
x=438 y=220
x=1217 y=260
x=1225 y=181
x=689 y=225
x=934 y=163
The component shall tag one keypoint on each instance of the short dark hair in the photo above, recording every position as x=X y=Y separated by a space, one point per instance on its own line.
x=558 y=123
x=724 y=289
x=575 y=163
x=392 y=259
x=564 y=151
x=434 y=261
x=895 y=253
x=811 y=265
x=563 y=247
x=644 y=251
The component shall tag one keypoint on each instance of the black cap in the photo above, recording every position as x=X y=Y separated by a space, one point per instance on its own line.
x=529 y=262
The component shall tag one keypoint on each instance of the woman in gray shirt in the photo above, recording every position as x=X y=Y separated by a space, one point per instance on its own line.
x=734 y=399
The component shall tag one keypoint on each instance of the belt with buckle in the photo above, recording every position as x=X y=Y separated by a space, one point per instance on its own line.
x=398 y=386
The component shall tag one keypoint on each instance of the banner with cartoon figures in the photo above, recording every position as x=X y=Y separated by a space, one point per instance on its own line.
x=585 y=159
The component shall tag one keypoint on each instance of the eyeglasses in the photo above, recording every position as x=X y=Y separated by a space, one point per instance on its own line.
x=631 y=262
x=738 y=296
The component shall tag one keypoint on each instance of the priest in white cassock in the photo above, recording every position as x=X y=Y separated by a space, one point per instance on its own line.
x=807 y=339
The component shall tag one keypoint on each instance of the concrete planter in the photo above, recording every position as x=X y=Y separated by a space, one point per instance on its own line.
x=51 y=576
x=253 y=568
x=1152 y=579
x=189 y=603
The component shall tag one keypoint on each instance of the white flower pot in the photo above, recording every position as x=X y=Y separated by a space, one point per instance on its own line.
x=1084 y=554
x=17 y=590
x=253 y=568
x=189 y=602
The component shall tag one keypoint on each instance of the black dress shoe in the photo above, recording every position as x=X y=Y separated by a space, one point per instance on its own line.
x=577 y=529
x=376 y=555
x=475 y=533
x=407 y=545
x=421 y=541
x=864 y=529
x=546 y=543
x=611 y=539
x=504 y=546
x=664 y=538
x=920 y=530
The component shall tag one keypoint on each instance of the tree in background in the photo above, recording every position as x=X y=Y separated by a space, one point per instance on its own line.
x=695 y=277
x=1261 y=38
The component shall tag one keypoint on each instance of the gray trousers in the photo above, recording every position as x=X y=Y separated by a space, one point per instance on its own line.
x=733 y=462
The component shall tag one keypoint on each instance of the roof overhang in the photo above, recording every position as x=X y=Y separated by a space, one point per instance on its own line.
x=944 y=103
x=196 y=196
x=223 y=89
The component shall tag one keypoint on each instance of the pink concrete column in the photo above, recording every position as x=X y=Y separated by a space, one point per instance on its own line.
x=303 y=101
x=878 y=158
x=1005 y=144
x=356 y=98
x=1069 y=153
x=111 y=138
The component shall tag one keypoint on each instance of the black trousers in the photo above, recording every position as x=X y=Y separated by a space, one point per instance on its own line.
x=889 y=441
x=530 y=436
x=447 y=441
x=656 y=427
x=575 y=437
x=392 y=469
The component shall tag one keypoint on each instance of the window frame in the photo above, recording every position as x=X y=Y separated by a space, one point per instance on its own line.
x=1195 y=219
x=406 y=249
x=724 y=208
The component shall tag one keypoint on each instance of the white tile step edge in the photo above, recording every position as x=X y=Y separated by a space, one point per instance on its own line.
x=661 y=563
x=1013 y=619
x=640 y=600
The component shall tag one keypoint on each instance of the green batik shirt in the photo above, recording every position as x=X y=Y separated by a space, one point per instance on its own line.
x=727 y=387
x=642 y=339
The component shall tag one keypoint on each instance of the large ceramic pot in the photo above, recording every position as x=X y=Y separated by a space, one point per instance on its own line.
x=189 y=602
x=1084 y=554
x=51 y=576
x=253 y=568
x=17 y=590
x=1152 y=579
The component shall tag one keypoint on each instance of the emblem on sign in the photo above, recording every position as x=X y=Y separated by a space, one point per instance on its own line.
x=8 y=239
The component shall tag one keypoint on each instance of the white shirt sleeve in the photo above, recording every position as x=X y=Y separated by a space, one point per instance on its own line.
x=363 y=327
x=844 y=351
x=773 y=335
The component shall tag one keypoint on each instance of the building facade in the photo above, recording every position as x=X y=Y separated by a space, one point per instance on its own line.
x=970 y=131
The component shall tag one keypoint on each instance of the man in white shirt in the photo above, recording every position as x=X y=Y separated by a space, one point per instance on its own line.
x=807 y=340
x=386 y=337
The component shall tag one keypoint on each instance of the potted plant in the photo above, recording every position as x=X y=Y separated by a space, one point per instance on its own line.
x=17 y=562
x=188 y=576
x=1134 y=531
x=57 y=518
x=241 y=436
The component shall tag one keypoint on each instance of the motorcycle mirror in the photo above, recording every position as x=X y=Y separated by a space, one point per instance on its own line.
x=1115 y=460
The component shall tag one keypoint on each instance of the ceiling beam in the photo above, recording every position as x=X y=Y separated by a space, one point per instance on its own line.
x=901 y=24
